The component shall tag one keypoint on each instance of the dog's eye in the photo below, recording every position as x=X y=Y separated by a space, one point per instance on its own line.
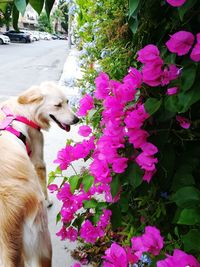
x=67 y=101
x=58 y=105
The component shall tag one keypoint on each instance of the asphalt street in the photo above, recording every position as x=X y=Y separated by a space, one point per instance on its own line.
x=23 y=65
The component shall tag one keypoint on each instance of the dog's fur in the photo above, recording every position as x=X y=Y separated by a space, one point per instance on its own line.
x=24 y=234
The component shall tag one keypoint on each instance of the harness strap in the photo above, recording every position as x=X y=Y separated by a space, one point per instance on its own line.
x=6 y=125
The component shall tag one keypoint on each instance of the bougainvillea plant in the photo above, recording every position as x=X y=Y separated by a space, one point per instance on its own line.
x=138 y=194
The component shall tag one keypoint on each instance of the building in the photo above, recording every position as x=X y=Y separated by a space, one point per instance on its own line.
x=29 y=20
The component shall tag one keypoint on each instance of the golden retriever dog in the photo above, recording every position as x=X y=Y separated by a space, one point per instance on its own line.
x=24 y=234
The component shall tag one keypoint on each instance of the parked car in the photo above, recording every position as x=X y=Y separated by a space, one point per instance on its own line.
x=15 y=36
x=4 y=39
x=45 y=36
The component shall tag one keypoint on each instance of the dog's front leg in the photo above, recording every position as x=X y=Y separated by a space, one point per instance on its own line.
x=37 y=158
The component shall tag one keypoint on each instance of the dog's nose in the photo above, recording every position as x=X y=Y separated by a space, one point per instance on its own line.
x=75 y=120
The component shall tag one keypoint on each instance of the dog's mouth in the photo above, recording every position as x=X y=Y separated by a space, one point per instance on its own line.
x=63 y=126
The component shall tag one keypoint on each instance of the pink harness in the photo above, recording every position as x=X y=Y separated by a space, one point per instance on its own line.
x=6 y=125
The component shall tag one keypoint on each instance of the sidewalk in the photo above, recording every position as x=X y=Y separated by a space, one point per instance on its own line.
x=55 y=139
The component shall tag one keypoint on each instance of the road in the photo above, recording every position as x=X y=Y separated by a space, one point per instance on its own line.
x=23 y=65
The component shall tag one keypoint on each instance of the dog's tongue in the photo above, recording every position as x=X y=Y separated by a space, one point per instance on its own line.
x=66 y=128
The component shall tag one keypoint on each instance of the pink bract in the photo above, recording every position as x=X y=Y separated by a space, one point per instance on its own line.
x=195 y=54
x=84 y=130
x=76 y=265
x=180 y=42
x=172 y=91
x=102 y=86
x=148 y=54
x=115 y=257
x=180 y=259
x=151 y=241
x=176 y=3
x=184 y=122
x=86 y=104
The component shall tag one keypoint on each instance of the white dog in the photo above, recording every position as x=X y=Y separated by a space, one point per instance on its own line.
x=24 y=234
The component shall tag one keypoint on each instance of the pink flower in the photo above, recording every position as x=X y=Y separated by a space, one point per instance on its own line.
x=180 y=259
x=86 y=104
x=102 y=86
x=152 y=73
x=90 y=233
x=195 y=54
x=52 y=188
x=176 y=3
x=119 y=165
x=104 y=218
x=174 y=72
x=184 y=122
x=115 y=257
x=180 y=42
x=64 y=157
x=70 y=233
x=76 y=265
x=137 y=137
x=132 y=256
x=172 y=91
x=148 y=54
x=151 y=241
x=101 y=171
x=134 y=78
x=84 y=130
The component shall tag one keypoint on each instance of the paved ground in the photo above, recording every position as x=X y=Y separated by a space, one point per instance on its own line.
x=22 y=65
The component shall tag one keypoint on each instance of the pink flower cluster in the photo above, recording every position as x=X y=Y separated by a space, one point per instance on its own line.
x=90 y=233
x=180 y=259
x=71 y=153
x=181 y=43
x=151 y=242
x=153 y=72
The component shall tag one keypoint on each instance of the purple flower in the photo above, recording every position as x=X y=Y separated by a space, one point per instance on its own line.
x=148 y=54
x=102 y=86
x=180 y=42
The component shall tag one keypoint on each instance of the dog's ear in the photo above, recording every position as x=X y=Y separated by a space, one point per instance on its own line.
x=32 y=95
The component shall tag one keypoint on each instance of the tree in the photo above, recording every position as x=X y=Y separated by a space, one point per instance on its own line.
x=45 y=23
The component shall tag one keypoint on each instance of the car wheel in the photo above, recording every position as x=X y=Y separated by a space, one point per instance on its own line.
x=1 y=41
x=23 y=40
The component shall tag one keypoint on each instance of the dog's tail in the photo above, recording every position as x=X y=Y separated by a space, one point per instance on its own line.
x=15 y=203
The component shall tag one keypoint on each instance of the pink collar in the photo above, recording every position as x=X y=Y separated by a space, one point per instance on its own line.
x=6 y=125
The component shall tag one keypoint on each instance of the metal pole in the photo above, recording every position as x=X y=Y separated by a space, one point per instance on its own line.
x=69 y=27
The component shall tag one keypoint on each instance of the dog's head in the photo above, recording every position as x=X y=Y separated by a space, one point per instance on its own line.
x=46 y=103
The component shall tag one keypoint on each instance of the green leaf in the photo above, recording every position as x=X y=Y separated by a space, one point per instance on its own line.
x=90 y=204
x=37 y=5
x=58 y=170
x=3 y=7
x=133 y=4
x=58 y=218
x=116 y=218
x=15 y=17
x=191 y=240
x=152 y=105
x=48 y=6
x=187 y=196
x=51 y=177
x=186 y=7
x=115 y=185
x=20 y=5
x=87 y=181
x=133 y=24
x=188 y=76
x=74 y=182
x=189 y=216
